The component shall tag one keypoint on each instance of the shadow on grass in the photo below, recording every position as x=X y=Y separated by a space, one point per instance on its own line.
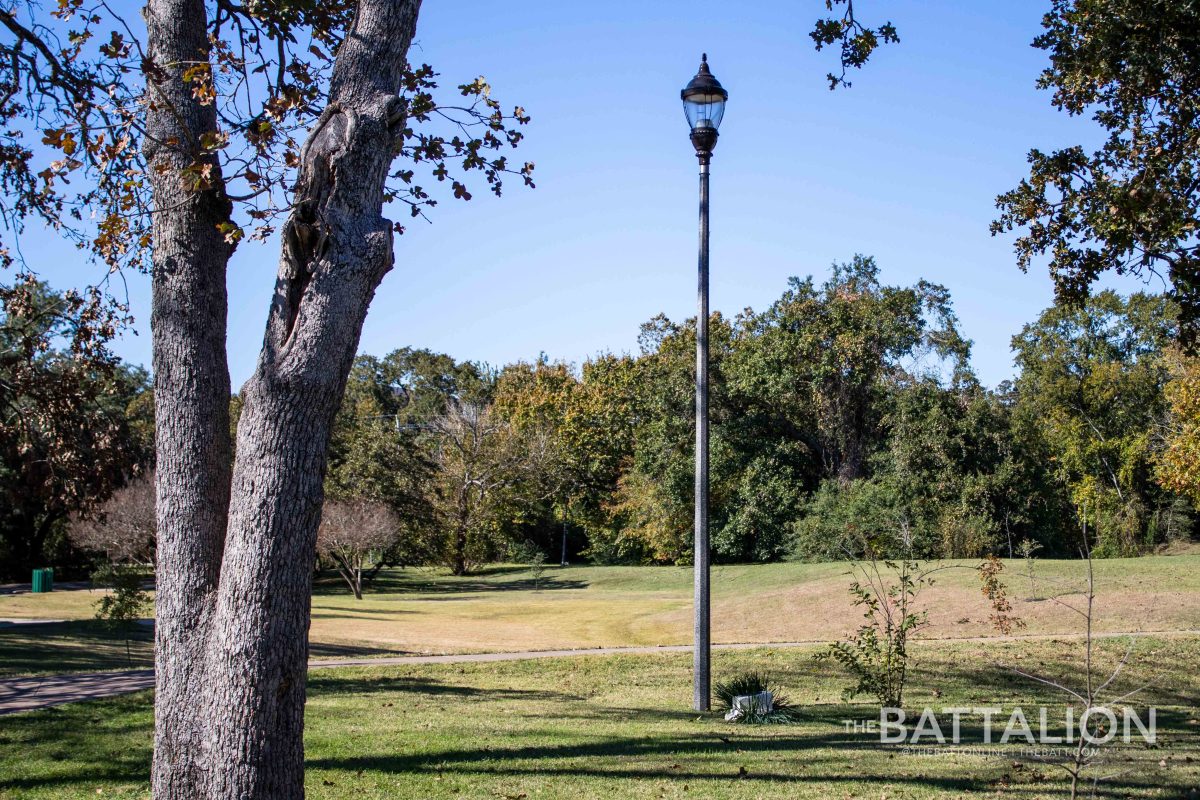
x=330 y=650
x=90 y=774
x=107 y=742
x=327 y=682
x=427 y=582
x=833 y=758
x=78 y=646
x=995 y=679
x=376 y=614
x=630 y=757
x=69 y=749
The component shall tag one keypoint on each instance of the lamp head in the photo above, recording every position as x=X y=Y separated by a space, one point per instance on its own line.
x=704 y=105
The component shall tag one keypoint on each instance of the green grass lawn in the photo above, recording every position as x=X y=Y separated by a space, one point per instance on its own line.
x=619 y=727
x=500 y=609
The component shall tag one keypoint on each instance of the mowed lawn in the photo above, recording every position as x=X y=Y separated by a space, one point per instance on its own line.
x=619 y=727
x=500 y=609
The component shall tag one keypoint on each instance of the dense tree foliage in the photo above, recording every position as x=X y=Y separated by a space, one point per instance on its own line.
x=1133 y=204
x=843 y=413
x=74 y=422
x=1092 y=389
x=1176 y=467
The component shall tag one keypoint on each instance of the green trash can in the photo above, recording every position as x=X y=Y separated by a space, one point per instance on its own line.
x=43 y=580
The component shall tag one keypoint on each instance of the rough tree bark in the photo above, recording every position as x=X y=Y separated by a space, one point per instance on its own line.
x=191 y=391
x=234 y=590
x=337 y=248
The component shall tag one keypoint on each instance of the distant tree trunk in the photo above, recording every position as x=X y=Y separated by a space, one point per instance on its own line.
x=234 y=589
x=850 y=468
x=458 y=560
x=350 y=568
x=458 y=555
x=842 y=426
x=41 y=535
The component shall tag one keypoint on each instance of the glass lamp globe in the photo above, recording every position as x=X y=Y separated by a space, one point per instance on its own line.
x=704 y=102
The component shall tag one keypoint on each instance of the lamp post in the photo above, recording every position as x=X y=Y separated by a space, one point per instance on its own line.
x=704 y=104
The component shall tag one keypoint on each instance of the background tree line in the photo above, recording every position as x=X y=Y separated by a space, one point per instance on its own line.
x=845 y=410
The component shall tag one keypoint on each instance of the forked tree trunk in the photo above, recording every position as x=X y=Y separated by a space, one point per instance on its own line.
x=351 y=570
x=191 y=393
x=233 y=624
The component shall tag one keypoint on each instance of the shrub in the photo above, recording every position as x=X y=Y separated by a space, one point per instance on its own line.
x=125 y=604
x=752 y=683
x=877 y=654
x=529 y=553
x=840 y=519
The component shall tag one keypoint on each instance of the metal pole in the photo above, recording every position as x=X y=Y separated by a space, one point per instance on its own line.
x=700 y=664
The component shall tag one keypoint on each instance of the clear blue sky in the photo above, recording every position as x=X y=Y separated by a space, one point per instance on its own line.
x=904 y=166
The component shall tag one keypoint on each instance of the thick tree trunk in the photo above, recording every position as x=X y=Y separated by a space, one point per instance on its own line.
x=235 y=559
x=337 y=248
x=191 y=392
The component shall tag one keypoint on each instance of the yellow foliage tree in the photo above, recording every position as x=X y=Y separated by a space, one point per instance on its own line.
x=1176 y=468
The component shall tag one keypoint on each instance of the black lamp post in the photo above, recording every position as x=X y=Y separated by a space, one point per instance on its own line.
x=704 y=103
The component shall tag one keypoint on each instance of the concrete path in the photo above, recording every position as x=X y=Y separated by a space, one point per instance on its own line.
x=59 y=586
x=28 y=694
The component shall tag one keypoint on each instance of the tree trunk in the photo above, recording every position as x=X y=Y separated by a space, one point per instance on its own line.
x=337 y=247
x=350 y=568
x=351 y=574
x=458 y=559
x=191 y=392
x=234 y=577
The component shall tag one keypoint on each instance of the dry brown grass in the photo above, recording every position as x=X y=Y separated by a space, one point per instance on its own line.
x=421 y=611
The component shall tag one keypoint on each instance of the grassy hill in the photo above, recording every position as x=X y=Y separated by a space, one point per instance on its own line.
x=427 y=611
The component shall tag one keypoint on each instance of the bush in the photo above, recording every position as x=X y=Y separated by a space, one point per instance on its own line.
x=966 y=535
x=752 y=683
x=125 y=604
x=876 y=656
x=762 y=513
x=127 y=601
x=527 y=552
x=839 y=519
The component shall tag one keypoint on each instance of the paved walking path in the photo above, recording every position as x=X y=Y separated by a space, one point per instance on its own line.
x=28 y=694
x=26 y=588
